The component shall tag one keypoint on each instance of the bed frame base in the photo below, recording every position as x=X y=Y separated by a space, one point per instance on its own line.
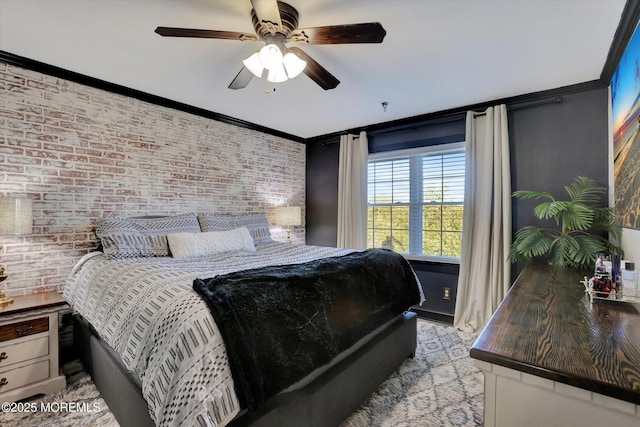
x=326 y=401
x=116 y=386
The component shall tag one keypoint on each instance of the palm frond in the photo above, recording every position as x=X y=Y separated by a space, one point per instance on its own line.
x=577 y=216
x=552 y=209
x=531 y=241
x=588 y=247
x=526 y=194
x=605 y=220
x=584 y=190
x=564 y=247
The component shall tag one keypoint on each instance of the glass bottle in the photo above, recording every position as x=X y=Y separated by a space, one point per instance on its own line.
x=630 y=278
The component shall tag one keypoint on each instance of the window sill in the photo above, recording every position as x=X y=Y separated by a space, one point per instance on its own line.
x=425 y=258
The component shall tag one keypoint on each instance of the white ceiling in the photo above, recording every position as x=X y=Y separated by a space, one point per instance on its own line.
x=437 y=55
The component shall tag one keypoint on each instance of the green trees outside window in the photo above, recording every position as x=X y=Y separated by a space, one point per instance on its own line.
x=415 y=203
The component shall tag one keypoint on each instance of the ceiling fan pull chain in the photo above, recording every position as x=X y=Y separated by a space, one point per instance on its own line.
x=267 y=87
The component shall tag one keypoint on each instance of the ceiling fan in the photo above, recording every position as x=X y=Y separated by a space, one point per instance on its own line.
x=276 y=23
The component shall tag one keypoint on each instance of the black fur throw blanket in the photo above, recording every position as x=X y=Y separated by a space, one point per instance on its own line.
x=280 y=323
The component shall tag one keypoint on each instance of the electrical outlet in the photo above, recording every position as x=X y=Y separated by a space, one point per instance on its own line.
x=446 y=293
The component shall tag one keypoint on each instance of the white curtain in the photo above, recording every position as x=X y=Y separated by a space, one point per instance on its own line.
x=352 y=191
x=485 y=273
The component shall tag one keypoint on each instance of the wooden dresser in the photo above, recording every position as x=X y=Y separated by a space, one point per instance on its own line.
x=29 y=359
x=552 y=358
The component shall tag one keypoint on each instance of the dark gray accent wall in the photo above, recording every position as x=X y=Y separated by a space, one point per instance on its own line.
x=550 y=145
x=435 y=278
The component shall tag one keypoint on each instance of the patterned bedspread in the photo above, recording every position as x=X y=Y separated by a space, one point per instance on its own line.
x=147 y=311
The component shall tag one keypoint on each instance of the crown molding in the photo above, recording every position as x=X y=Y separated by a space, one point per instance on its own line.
x=459 y=113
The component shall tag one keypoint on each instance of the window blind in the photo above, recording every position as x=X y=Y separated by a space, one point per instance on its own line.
x=416 y=201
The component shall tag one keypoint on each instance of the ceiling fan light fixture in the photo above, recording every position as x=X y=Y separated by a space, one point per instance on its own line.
x=277 y=75
x=254 y=64
x=293 y=64
x=271 y=56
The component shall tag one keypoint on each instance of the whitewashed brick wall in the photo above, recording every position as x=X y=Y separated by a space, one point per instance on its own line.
x=82 y=153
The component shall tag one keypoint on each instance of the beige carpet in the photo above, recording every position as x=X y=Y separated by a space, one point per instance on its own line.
x=439 y=387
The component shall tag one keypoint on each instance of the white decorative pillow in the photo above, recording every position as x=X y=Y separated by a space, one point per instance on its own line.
x=141 y=237
x=188 y=245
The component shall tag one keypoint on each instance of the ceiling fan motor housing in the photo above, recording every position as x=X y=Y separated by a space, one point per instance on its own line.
x=288 y=18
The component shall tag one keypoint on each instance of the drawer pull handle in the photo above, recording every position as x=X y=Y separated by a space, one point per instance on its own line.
x=3 y=356
x=24 y=331
x=3 y=382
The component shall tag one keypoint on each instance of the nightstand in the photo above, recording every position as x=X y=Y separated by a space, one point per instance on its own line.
x=29 y=356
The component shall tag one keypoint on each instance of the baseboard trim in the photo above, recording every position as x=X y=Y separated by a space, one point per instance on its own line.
x=445 y=318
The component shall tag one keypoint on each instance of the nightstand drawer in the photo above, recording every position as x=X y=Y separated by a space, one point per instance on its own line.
x=23 y=376
x=23 y=351
x=29 y=349
x=23 y=329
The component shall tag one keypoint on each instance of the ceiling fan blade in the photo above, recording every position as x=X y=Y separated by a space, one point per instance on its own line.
x=242 y=79
x=370 y=32
x=267 y=11
x=206 y=34
x=315 y=71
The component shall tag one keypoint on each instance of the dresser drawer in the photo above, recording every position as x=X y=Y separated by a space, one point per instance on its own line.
x=23 y=329
x=23 y=351
x=23 y=376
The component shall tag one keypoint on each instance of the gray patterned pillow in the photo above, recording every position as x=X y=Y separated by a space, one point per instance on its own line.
x=257 y=224
x=142 y=237
x=215 y=222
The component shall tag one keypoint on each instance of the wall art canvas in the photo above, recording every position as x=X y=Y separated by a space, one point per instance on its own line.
x=625 y=109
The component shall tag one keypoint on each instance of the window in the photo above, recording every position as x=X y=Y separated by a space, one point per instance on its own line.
x=416 y=201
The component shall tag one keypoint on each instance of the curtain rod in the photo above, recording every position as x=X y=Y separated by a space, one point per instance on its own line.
x=460 y=115
x=523 y=105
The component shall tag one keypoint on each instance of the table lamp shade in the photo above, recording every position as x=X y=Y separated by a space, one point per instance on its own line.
x=288 y=215
x=16 y=216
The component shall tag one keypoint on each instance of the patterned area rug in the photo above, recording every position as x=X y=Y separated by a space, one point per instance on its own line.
x=439 y=387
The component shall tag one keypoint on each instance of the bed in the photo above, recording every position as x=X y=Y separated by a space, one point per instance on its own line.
x=154 y=345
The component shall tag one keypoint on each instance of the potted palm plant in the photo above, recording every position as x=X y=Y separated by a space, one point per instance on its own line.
x=582 y=223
